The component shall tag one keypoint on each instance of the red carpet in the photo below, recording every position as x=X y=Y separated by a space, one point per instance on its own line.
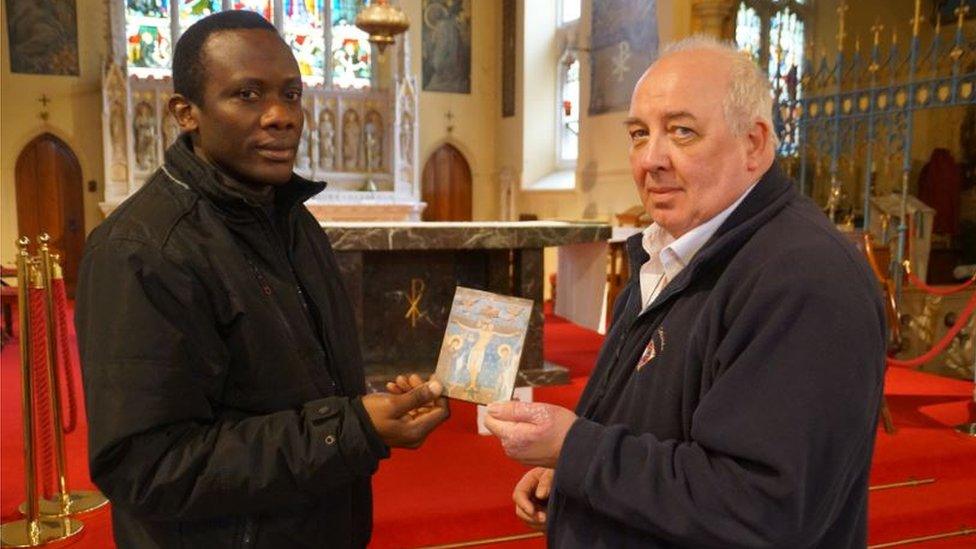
x=458 y=486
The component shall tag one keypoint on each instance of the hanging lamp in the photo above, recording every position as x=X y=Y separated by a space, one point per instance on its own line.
x=382 y=22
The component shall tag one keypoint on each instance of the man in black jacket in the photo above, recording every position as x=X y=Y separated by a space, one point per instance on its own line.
x=735 y=399
x=223 y=378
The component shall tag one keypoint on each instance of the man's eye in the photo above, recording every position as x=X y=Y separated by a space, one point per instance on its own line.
x=638 y=134
x=248 y=95
x=681 y=132
x=293 y=95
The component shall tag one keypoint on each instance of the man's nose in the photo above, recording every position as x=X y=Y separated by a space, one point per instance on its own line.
x=282 y=115
x=655 y=154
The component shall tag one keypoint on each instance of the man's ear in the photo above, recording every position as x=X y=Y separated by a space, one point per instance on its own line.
x=758 y=140
x=184 y=111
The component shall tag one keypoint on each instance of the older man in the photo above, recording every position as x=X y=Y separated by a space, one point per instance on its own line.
x=734 y=402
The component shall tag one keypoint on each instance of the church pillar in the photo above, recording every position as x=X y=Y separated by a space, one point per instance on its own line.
x=713 y=18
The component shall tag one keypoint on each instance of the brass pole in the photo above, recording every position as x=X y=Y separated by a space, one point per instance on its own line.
x=52 y=377
x=27 y=385
x=65 y=503
x=35 y=529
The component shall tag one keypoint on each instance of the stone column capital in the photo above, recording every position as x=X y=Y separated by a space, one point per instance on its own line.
x=712 y=17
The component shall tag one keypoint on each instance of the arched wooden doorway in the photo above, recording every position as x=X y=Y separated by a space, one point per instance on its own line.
x=446 y=186
x=49 y=200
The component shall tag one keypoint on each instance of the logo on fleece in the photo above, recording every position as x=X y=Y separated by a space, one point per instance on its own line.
x=654 y=346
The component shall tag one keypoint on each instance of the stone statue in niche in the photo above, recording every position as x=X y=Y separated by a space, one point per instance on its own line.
x=327 y=132
x=351 y=133
x=115 y=95
x=373 y=132
x=144 y=129
x=117 y=129
x=304 y=161
x=406 y=140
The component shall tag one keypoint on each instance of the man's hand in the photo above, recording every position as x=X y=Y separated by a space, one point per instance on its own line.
x=530 y=432
x=404 y=384
x=390 y=414
x=531 y=496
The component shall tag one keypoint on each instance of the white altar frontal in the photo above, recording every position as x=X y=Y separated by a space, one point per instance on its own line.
x=361 y=140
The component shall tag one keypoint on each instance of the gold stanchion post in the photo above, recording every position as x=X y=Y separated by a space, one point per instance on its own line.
x=33 y=530
x=66 y=502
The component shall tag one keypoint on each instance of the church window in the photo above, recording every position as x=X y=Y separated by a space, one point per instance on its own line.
x=305 y=34
x=569 y=11
x=568 y=84
x=748 y=30
x=772 y=31
x=263 y=7
x=569 y=110
x=192 y=11
x=351 y=52
x=153 y=26
x=148 y=33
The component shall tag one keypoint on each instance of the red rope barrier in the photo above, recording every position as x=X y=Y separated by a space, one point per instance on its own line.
x=67 y=369
x=943 y=343
x=921 y=285
x=44 y=430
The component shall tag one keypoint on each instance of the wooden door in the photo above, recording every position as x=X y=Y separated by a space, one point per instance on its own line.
x=49 y=200
x=446 y=186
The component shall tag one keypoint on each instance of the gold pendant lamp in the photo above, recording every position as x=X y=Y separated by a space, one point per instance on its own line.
x=382 y=22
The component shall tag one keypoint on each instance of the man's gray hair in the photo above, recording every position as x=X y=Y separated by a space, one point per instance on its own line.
x=750 y=95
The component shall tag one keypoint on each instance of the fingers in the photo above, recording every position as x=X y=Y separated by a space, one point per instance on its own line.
x=417 y=428
x=529 y=510
x=497 y=427
x=535 y=521
x=522 y=496
x=544 y=487
x=513 y=410
x=416 y=397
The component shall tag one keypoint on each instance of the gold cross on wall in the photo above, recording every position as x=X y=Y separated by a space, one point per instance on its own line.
x=44 y=99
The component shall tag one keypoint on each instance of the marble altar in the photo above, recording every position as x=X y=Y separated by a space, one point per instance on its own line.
x=401 y=278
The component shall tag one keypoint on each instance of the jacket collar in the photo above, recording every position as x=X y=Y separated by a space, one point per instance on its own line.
x=766 y=199
x=191 y=170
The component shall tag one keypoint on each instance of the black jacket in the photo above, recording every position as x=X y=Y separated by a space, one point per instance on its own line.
x=222 y=370
x=753 y=423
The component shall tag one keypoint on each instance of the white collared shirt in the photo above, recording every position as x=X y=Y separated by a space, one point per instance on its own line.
x=669 y=255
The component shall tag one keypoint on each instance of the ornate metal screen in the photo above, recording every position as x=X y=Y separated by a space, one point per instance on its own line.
x=854 y=124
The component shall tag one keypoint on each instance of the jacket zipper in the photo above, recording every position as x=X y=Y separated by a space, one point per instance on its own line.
x=247 y=533
x=276 y=242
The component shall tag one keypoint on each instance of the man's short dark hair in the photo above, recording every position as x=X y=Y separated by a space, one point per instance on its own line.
x=188 y=62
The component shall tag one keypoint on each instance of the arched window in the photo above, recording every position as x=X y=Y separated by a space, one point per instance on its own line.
x=569 y=110
x=568 y=84
x=773 y=32
x=154 y=26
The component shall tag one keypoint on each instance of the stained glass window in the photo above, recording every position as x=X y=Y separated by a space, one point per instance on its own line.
x=569 y=11
x=305 y=34
x=192 y=11
x=772 y=31
x=153 y=26
x=569 y=110
x=786 y=52
x=748 y=30
x=264 y=7
x=351 y=52
x=147 y=30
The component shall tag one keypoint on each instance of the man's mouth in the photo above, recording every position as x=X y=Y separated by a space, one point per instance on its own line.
x=277 y=153
x=663 y=191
